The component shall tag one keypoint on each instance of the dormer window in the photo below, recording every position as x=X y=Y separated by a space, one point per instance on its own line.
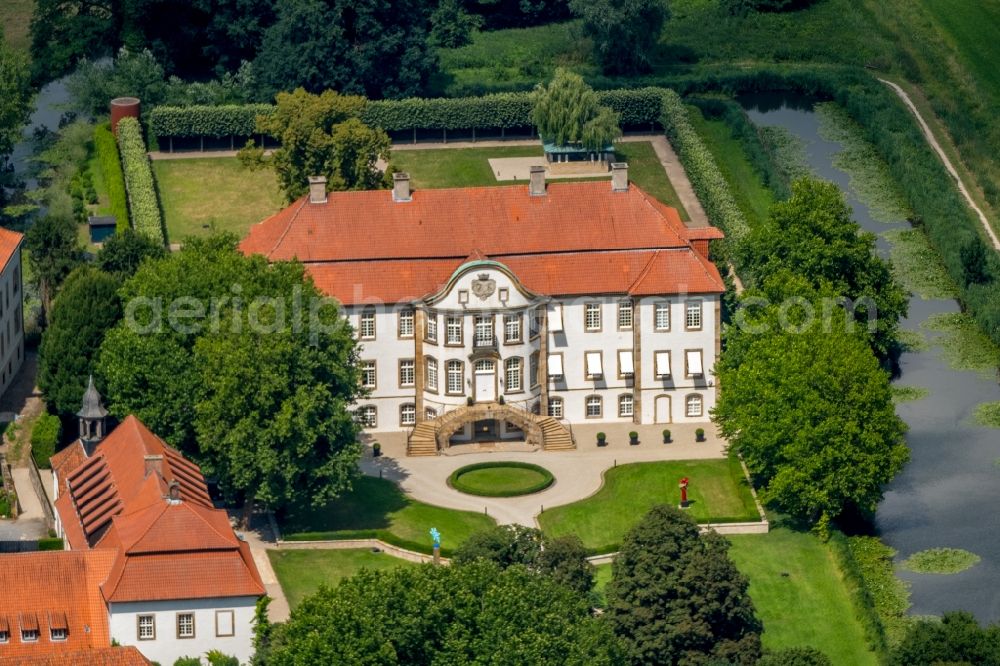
x=29 y=635
x=59 y=634
x=4 y=636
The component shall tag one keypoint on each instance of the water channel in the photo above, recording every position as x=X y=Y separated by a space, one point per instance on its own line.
x=947 y=494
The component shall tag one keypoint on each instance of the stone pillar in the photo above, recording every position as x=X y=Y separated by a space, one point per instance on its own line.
x=419 y=371
x=636 y=361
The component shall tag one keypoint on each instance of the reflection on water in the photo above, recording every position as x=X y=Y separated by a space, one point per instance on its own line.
x=948 y=493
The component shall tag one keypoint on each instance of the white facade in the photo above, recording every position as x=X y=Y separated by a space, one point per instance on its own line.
x=224 y=624
x=481 y=337
x=11 y=321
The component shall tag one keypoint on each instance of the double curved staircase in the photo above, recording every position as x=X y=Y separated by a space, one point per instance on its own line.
x=544 y=432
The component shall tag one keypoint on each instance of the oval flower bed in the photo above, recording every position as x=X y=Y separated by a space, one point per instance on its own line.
x=501 y=479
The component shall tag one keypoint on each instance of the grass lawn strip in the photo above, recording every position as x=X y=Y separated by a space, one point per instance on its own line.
x=301 y=572
x=378 y=509
x=205 y=195
x=718 y=492
x=799 y=594
x=940 y=561
x=501 y=479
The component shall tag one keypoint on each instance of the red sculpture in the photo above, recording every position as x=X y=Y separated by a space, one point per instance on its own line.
x=683 y=485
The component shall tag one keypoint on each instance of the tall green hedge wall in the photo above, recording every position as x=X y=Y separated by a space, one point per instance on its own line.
x=144 y=207
x=504 y=110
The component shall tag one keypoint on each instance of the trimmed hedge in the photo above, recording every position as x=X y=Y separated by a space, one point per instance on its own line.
x=44 y=438
x=51 y=543
x=706 y=179
x=114 y=180
x=640 y=106
x=455 y=480
x=143 y=203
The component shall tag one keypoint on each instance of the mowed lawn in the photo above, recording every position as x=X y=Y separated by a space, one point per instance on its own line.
x=301 y=572
x=202 y=196
x=15 y=20
x=469 y=167
x=378 y=509
x=799 y=594
x=718 y=492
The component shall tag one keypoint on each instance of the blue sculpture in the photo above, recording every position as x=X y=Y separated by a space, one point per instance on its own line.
x=436 y=536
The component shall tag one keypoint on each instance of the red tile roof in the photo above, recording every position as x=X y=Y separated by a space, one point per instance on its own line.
x=163 y=549
x=105 y=656
x=53 y=589
x=10 y=242
x=363 y=246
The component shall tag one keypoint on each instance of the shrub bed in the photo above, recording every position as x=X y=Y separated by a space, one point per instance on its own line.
x=44 y=438
x=501 y=479
x=50 y=543
x=143 y=204
x=114 y=180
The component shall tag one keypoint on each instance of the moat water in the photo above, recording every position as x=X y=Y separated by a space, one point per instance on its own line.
x=947 y=494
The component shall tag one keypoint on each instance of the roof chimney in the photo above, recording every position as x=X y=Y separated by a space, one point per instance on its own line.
x=536 y=181
x=619 y=176
x=317 y=189
x=153 y=464
x=401 y=186
x=174 y=492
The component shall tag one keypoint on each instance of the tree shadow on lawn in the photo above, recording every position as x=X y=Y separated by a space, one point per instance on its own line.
x=368 y=506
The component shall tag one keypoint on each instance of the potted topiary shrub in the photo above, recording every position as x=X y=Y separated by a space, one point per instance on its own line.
x=376 y=449
x=501 y=400
x=633 y=438
x=666 y=436
x=469 y=401
x=602 y=439
x=699 y=435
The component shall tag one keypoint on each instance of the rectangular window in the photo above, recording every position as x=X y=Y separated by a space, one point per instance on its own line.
x=556 y=408
x=661 y=316
x=594 y=407
x=368 y=374
x=595 y=366
x=455 y=377
x=368 y=415
x=693 y=362
x=185 y=625
x=625 y=315
x=146 y=628
x=405 y=323
x=432 y=327
x=626 y=367
x=453 y=326
x=662 y=359
x=225 y=624
x=58 y=634
x=366 y=328
x=432 y=374
x=693 y=405
x=484 y=330
x=408 y=415
x=512 y=377
x=692 y=315
x=555 y=365
x=592 y=316
x=407 y=372
x=29 y=635
x=511 y=328
x=626 y=405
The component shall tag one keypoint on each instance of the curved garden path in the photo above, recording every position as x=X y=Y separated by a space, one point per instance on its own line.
x=933 y=142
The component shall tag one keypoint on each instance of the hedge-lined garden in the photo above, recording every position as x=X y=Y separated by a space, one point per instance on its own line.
x=44 y=438
x=114 y=180
x=637 y=107
x=143 y=205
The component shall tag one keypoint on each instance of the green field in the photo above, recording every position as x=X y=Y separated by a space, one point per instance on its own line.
x=718 y=492
x=301 y=572
x=799 y=595
x=15 y=19
x=500 y=479
x=469 y=167
x=378 y=509
x=204 y=195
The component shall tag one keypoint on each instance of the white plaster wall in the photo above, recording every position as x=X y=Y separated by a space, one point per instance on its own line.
x=167 y=648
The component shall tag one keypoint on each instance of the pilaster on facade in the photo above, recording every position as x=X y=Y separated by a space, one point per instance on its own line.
x=636 y=358
x=419 y=363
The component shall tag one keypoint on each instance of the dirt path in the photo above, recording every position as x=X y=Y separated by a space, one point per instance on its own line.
x=933 y=142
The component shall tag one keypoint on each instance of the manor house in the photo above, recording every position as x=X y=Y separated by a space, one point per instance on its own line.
x=511 y=312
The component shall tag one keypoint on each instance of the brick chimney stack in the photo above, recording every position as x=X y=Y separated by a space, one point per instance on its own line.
x=619 y=177
x=317 y=189
x=536 y=181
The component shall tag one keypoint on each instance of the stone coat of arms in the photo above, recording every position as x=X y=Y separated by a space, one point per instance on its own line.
x=483 y=287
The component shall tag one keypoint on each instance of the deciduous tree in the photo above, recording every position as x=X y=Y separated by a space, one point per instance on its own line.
x=233 y=360
x=85 y=310
x=465 y=614
x=956 y=639
x=675 y=597
x=320 y=135
x=124 y=252
x=54 y=253
x=624 y=32
x=567 y=111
